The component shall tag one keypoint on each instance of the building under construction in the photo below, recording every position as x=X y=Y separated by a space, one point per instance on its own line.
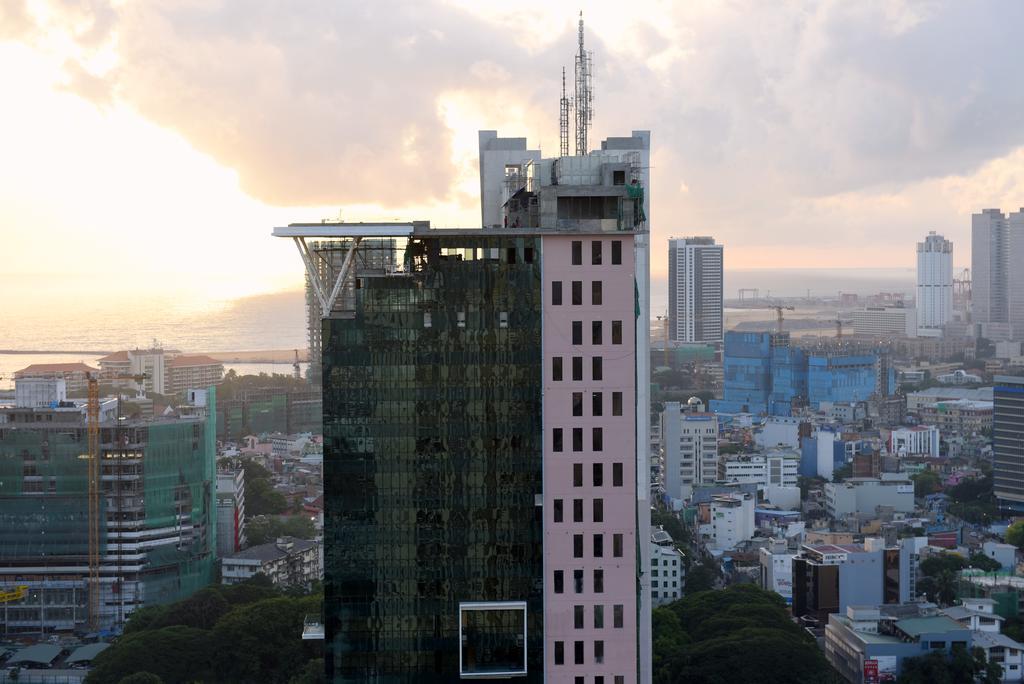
x=156 y=508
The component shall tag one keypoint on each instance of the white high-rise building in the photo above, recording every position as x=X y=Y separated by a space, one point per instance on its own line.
x=997 y=281
x=934 y=285
x=695 y=290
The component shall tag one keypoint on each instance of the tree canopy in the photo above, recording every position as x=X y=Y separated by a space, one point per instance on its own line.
x=926 y=482
x=1015 y=534
x=242 y=633
x=960 y=666
x=267 y=528
x=697 y=639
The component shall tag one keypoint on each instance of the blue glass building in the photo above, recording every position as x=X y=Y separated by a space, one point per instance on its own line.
x=764 y=374
x=840 y=378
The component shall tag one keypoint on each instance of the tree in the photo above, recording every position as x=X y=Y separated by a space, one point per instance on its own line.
x=141 y=678
x=699 y=638
x=267 y=632
x=202 y=610
x=699 y=578
x=261 y=499
x=174 y=654
x=672 y=525
x=263 y=529
x=1015 y=534
x=315 y=672
x=982 y=562
x=960 y=666
x=939 y=577
x=926 y=482
x=843 y=472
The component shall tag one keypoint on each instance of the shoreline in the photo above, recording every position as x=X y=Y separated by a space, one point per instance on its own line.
x=259 y=356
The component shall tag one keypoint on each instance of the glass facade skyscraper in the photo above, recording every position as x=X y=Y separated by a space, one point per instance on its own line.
x=432 y=431
x=485 y=403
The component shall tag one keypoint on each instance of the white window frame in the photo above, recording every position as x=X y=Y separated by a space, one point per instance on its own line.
x=494 y=605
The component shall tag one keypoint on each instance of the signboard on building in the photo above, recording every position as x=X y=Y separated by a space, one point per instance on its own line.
x=880 y=669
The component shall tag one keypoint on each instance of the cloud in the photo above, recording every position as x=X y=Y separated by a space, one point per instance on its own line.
x=794 y=125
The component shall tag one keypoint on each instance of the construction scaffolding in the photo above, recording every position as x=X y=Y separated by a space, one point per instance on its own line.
x=144 y=535
x=328 y=257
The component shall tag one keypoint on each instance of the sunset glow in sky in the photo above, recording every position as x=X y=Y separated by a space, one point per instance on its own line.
x=162 y=140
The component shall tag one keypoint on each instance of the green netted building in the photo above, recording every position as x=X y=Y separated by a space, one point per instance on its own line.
x=256 y=412
x=157 y=525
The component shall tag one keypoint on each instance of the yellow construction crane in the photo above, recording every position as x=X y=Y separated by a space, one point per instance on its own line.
x=18 y=592
x=93 y=422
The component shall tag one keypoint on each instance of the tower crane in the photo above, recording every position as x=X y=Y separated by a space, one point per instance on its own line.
x=92 y=413
x=778 y=308
x=839 y=327
x=666 y=319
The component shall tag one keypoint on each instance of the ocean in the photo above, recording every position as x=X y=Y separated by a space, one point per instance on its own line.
x=66 y=330
x=52 y=317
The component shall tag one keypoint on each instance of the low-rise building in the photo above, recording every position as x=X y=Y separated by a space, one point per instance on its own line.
x=869 y=643
x=777 y=568
x=730 y=520
x=230 y=512
x=976 y=614
x=186 y=372
x=885 y=322
x=1004 y=554
x=778 y=467
x=828 y=578
x=287 y=561
x=863 y=495
x=75 y=375
x=915 y=400
x=959 y=377
x=961 y=416
x=915 y=441
x=667 y=573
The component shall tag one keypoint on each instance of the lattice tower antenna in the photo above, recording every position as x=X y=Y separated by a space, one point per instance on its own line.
x=564 y=107
x=584 y=100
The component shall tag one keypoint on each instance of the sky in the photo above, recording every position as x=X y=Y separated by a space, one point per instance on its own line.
x=151 y=146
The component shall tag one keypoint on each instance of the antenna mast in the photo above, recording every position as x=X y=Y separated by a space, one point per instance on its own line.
x=564 y=107
x=584 y=93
